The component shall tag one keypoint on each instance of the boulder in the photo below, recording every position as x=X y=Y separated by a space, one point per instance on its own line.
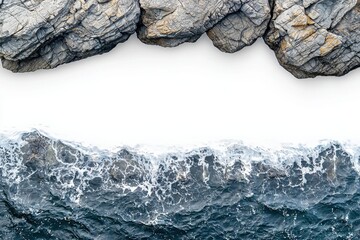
x=315 y=37
x=44 y=34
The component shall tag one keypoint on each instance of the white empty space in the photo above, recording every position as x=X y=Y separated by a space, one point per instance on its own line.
x=193 y=93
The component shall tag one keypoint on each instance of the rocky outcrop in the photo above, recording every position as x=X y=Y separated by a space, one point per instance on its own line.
x=38 y=34
x=242 y=28
x=316 y=37
x=309 y=37
x=232 y=24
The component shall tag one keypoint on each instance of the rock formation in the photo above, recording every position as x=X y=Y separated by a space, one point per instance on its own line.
x=36 y=34
x=309 y=37
x=241 y=28
x=316 y=37
x=232 y=24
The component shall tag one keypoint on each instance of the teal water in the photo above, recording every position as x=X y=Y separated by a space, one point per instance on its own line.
x=51 y=189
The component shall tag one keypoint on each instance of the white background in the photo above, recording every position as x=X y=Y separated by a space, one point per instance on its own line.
x=194 y=93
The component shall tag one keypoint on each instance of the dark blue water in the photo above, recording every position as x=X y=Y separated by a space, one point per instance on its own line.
x=51 y=189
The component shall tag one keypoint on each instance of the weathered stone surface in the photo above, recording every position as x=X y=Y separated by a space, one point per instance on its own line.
x=241 y=28
x=171 y=22
x=47 y=33
x=309 y=37
x=316 y=37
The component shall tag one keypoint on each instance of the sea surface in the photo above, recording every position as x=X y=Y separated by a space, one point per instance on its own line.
x=56 y=189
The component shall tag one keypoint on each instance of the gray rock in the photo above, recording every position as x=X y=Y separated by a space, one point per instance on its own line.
x=309 y=37
x=37 y=152
x=126 y=169
x=241 y=28
x=47 y=33
x=316 y=37
x=40 y=151
x=172 y=22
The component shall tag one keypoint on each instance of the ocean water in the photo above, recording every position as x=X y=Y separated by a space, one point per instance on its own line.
x=54 y=189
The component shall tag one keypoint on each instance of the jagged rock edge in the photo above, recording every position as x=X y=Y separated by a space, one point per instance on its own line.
x=299 y=73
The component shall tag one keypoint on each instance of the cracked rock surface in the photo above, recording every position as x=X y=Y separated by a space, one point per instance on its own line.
x=38 y=34
x=316 y=37
x=232 y=24
x=242 y=28
x=309 y=37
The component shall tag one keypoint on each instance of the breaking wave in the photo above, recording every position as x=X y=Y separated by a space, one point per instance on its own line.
x=53 y=189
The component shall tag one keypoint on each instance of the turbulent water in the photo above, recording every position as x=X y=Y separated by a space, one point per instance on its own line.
x=52 y=189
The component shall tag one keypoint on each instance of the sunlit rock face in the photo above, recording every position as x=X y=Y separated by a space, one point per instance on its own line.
x=232 y=24
x=38 y=34
x=309 y=37
x=44 y=34
x=313 y=37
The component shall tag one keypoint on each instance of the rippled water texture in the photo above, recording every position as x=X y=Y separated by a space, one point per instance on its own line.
x=52 y=189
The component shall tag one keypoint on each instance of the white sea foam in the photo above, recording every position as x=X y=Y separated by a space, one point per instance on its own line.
x=73 y=179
